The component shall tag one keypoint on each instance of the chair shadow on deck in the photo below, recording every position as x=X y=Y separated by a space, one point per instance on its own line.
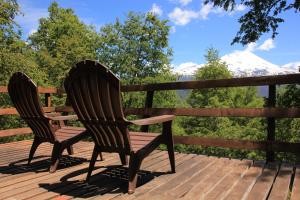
x=113 y=179
x=39 y=164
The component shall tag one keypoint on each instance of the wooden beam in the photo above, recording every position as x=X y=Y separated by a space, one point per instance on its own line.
x=8 y=111
x=218 y=112
x=49 y=109
x=3 y=89
x=15 y=131
x=43 y=90
x=238 y=144
x=64 y=109
x=13 y=111
x=271 y=122
x=47 y=99
x=234 y=82
x=220 y=83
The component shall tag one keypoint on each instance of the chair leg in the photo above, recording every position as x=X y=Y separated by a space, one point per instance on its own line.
x=101 y=156
x=170 y=147
x=56 y=154
x=92 y=163
x=123 y=158
x=134 y=166
x=34 y=146
x=167 y=132
x=70 y=150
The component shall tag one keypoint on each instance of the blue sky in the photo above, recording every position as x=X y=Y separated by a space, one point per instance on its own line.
x=195 y=27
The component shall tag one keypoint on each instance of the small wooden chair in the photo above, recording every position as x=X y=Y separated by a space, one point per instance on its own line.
x=94 y=93
x=24 y=95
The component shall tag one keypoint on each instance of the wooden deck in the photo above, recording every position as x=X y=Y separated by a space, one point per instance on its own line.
x=197 y=177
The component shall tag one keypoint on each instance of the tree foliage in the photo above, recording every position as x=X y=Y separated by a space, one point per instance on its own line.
x=262 y=17
x=61 y=41
x=14 y=53
x=15 y=56
x=137 y=48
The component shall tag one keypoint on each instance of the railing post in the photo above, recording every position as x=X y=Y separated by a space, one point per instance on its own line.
x=148 y=104
x=47 y=100
x=271 y=122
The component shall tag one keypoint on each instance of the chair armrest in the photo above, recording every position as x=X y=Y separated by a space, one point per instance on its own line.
x=62 y=118
x=153 y=120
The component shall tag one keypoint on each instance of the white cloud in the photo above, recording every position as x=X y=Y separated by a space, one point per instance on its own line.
x=156 y=10
x=185 y=2
x=267 y=45
x=182 y=17
x=251 y=47
x=205 y=10
x=30 y=18
x=240 y=7
x=237 y=8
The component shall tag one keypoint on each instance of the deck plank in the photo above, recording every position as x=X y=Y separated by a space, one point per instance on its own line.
x=98 y=182
x=280 y=189
x=183 y=162
x=183 y=187
x=196 y=177
x=264 y=183
x=220 y=190
x=199 y=190
x=296 y=187
x=246 y=182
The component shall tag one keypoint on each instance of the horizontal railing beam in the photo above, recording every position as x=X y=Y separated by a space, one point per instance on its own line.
x=199 y=84
x=208 y=112
x=220 y=83
x=203 y=141
x=218 y=112
x=42 y=90
x=13 y=111
x=15 y=131
x=238 y=144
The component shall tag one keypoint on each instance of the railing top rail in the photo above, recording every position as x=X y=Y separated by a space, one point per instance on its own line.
x=232 y=82
x=42 y=90
x=199 y=84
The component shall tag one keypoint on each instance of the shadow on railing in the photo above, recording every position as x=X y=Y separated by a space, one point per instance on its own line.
x=270 y=112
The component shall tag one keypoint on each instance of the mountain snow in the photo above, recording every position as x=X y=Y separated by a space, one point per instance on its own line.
x=188 y=68
x=244 y=63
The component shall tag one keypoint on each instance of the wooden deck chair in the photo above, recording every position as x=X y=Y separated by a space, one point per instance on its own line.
x=94 y=93
x=24 y=95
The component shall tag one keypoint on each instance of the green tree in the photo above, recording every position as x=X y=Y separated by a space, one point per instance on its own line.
x=261 y=17
x=61 y=41
x=224 y=127
x=288 y=129
x=137 y=50
x=8 y=10
x=15 y=56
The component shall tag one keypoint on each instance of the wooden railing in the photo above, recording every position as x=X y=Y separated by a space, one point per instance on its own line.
x=270 y=112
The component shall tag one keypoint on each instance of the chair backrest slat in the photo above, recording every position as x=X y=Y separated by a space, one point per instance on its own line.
x=24 y=95
x=94 y=93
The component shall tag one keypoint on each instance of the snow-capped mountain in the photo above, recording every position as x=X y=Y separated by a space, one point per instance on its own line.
x=292 y=66
x=244 y=63
x=188 y=68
